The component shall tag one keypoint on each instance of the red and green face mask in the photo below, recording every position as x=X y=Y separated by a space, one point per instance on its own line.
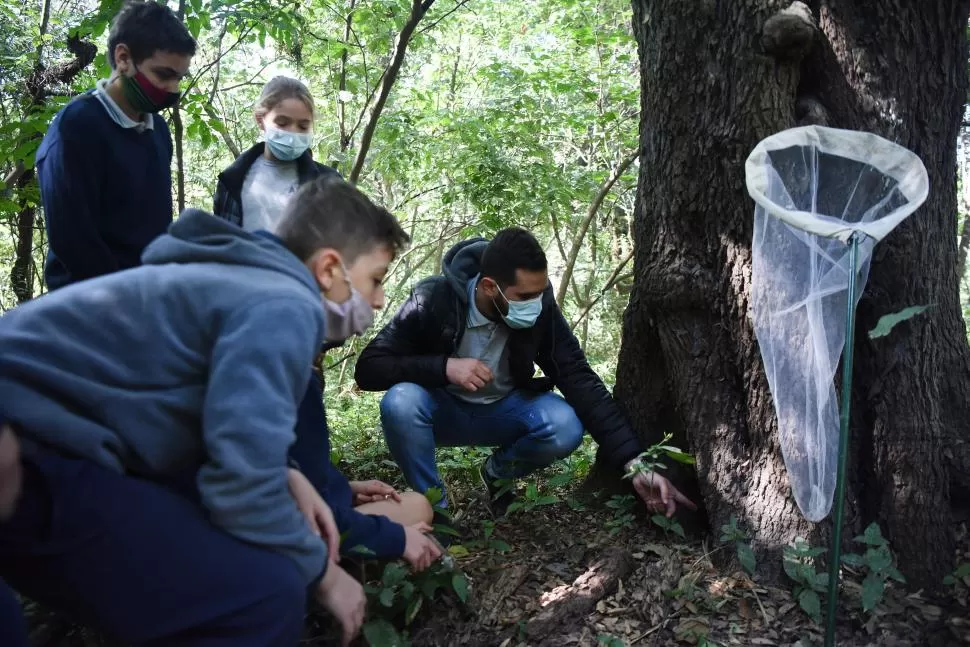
x=145 y=96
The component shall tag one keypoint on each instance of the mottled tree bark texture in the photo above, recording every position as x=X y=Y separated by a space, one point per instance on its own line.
x=717 y=77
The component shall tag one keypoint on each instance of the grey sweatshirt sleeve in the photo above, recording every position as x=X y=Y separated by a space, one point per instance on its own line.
x=259 y=370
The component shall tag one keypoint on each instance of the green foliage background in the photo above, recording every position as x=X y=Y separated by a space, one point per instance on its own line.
x=503 y=113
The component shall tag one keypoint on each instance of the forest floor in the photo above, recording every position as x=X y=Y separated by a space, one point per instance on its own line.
x=587 y=574
x=592 y=573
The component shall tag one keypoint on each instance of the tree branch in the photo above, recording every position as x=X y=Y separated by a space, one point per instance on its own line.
x=562 y=250
x=415 y=196
x=594 y=207
x=458 y=5
x=342 y=85
x=224 y=133
x=613 y=279
x=418 y=11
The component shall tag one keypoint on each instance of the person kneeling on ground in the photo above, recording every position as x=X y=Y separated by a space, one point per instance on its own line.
x=458 y=363
x=194 y=362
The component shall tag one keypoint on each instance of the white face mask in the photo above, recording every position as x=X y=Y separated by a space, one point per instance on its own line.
x=352 y=317
x=286 y=146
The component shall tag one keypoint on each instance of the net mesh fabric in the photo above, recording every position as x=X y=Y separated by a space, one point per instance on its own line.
x=813 y=188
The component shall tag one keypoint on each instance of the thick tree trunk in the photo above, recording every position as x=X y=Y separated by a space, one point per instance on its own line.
x=22 y=272
x=690 y=361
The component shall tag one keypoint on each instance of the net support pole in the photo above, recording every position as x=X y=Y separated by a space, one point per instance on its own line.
x=836 y=553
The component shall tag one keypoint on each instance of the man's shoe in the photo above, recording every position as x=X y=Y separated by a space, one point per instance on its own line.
x=445 y=532
x=500 y=493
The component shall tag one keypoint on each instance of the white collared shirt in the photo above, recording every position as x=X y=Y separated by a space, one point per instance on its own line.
x=117 y=114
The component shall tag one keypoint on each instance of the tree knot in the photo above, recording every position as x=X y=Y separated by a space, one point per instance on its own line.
x=789 y=34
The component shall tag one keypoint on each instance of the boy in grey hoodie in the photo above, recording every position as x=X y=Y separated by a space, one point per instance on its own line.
x=192 y=364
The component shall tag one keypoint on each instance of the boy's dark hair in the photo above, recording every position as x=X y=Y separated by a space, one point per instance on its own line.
x=330 y=212
x=510 y=250
x=147 y=27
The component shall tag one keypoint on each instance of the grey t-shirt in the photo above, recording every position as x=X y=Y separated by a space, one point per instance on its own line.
x=266 y=190
x=487 y=342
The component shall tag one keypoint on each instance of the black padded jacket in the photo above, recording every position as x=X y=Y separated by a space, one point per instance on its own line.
x=416 y=344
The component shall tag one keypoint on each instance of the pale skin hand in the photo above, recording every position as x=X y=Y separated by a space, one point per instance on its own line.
x=317 y=512
x=469 y=374
x=659 y=494
x=370 y=491
x=343 y=597
x=419 y=549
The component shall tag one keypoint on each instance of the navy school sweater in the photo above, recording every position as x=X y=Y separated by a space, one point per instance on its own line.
x=311 y=450
x=106 y=191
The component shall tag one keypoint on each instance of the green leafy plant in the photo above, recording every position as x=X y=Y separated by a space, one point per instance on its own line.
x=649 y=460
x=730 y=533
x=531 y=499
x=668 y=525
x=609 y=641
x=799 y=563
x=434 y=496
x=622 y=506
x=959 y=575
x=398 y=596
x=488 y=541
x=878 y=562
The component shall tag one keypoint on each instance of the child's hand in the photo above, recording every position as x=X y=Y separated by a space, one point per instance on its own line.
x=419 y=549
x=343 y=597
x=317 y=512
x=370 y=491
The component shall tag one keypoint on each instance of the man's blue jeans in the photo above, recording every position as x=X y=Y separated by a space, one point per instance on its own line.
x=530 y=431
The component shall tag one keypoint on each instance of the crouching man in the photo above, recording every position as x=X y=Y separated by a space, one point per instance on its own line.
x=458 y=363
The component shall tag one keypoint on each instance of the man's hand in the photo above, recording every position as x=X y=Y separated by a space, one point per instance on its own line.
x=419 y=549
x=370 y=491
x=659 y=494
x=11 y=471
x=317 y=512
x=343 y=597
x=469 y=374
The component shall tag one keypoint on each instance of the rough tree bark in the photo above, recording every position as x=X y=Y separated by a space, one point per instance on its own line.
x=39 y=86
x=717 y=77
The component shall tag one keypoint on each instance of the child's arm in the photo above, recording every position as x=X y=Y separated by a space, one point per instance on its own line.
x=258 y=374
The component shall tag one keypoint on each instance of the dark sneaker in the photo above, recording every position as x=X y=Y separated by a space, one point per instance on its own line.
x=445 y=532
x=500 y=493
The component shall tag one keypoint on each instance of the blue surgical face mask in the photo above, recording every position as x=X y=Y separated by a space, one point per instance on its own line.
x=348 y=318
x=522 y=314
x=286 y=146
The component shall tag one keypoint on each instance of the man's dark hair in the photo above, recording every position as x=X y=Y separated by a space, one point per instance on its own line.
x=510 y=250
x=330 y=212
x=148 y=27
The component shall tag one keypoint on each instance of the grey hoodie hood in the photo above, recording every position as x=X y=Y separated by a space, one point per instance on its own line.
x=463 y=262
x=200 y=237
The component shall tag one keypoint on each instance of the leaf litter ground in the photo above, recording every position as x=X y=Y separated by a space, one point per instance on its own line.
x=568 y=581
x=556 y=576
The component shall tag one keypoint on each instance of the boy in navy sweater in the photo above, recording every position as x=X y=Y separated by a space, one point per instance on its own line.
x=104 y=165
x=229 y=323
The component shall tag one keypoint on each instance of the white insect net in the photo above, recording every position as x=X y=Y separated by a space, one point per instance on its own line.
x=814 y=187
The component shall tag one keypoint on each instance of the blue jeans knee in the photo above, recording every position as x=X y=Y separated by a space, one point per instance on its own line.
x=405 y=405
